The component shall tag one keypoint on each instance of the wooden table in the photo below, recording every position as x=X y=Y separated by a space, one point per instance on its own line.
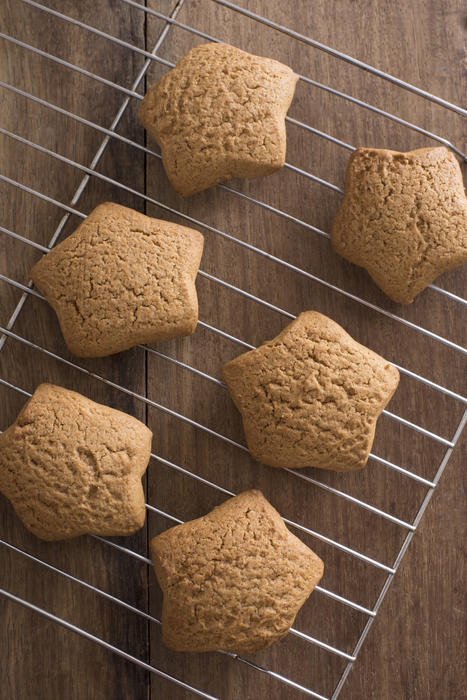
x=415 y=649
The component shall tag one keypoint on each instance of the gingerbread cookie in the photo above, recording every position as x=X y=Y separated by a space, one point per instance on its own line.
x=234 y=579
x=311 y=396
x=122 y=279
x=219 y=114
x=71 y=466
x=403 y=218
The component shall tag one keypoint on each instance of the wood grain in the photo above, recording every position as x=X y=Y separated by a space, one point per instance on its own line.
x=415 y=649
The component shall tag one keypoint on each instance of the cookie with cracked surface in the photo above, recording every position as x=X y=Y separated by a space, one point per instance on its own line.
x=311 y=396
x=122 y=279
x=219 y=114
x=403 y=218
x=71 y=466
x=234 y=579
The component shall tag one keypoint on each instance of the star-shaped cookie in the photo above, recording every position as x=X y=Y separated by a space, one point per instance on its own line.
x=403 y=218
x=71 y=466
x=311 y=396
x=234 y=579
x=122 y=279
x=219 y=114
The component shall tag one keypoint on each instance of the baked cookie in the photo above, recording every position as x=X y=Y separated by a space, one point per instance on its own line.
x=234 y=579
x=71 y=466
x=219 y=114
x=122 y=279
x=311 y=396
x=403 y=218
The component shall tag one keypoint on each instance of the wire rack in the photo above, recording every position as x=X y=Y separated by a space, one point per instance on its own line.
x=364 y=614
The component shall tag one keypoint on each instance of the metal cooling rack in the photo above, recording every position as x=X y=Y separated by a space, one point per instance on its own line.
x=8 y=332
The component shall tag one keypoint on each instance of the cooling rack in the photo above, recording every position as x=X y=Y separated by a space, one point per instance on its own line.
x=408 y=475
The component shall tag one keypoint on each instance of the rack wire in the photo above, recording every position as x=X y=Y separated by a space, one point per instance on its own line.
x=8 y=333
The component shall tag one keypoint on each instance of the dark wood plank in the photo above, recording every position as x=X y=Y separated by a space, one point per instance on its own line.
x=420 y=42
x=38 y=658
x=369 y=32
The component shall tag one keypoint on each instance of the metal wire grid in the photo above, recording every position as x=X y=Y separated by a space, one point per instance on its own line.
x=69 y=209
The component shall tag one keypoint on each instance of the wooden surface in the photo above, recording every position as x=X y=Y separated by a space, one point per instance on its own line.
x=415 y=649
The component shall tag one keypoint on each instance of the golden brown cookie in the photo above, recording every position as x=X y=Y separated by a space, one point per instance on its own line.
x=71 y=466
x=219 y=114
x=311 y=396
x=234 y=579
x=403 y=218
x=122 y=279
